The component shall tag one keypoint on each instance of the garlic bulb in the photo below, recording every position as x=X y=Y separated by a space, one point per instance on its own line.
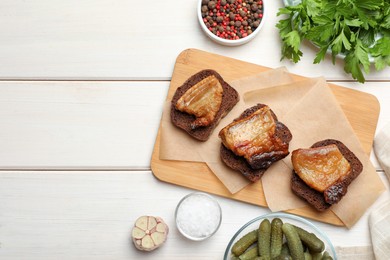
x=149 y=233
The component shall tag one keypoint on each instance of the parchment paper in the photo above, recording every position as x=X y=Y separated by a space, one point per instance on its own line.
x=310 y=111
x=313 y=117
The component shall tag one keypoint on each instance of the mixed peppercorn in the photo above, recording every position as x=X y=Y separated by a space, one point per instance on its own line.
x=232 y=19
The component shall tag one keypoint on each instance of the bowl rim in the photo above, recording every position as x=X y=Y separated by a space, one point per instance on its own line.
x=226 y=41
x=281 y=215
x=214 y=200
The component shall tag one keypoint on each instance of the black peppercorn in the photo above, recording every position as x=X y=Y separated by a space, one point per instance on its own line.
x=211 y=5
x=242 y=13
x=254 y=7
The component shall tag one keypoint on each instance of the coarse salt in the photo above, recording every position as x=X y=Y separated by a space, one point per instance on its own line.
x=198 y=216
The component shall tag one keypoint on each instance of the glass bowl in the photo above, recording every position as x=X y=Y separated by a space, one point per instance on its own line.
x=198 y=216
x=228 y=42
x=286 y=218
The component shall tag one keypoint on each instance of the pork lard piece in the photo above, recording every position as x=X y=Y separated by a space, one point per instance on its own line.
x=202 y=100
x=320 y=167
x=254 y=138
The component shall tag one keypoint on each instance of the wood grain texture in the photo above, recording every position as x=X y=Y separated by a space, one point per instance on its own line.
x=199 y=176
x=89 y=214
x=102 y=39
x=79 y=125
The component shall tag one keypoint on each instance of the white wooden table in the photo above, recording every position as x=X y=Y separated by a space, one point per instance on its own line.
x=82 y=84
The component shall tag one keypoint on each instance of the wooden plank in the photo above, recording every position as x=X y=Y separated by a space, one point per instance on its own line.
x=109 y=40
x=89 y=215
x=198 y=176
x=42 y=123
x=79 y=125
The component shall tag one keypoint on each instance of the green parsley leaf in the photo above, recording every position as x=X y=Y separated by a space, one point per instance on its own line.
x=386 y=22
x=381 y=48
x=353 y=23
x=321 y=55
x=355 y=60
x=284 y=27
x=382 y=62
x=340 y=42
x=348 y=27
x=293 y=40
x=313 y=7
x=369 y=4
x=367 y=37
x=320 y=34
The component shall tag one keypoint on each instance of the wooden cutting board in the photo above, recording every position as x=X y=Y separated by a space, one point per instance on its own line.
x=361 y=109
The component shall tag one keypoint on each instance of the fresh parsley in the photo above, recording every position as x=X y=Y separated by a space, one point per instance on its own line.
x=358 y=29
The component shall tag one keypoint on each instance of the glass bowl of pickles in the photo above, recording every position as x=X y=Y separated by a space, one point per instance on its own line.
x=279 y=236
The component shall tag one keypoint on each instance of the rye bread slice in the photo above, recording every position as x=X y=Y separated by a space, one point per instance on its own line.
x=260 y=164
x=322 y=201
x=183 y=120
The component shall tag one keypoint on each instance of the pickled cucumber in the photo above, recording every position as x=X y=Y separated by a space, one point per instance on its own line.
x=249 y=254
x=282 y=257
x=316 y=256
x=326 y=256
x=264 y=239
x=285 y=250
x=293 y=241
x=244 y=243
x=276 y=237
x=314 y=244
x=307 y=256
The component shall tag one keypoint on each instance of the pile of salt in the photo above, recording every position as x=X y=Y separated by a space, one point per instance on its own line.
x=198 y=216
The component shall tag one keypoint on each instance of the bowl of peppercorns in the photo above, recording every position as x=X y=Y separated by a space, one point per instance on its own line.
x=231 y=22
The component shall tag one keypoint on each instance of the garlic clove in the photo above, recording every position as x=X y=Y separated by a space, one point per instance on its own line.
x=142 y=223
x=138 y=233
x=147 y=243
x=152 y=223
x=160 y=227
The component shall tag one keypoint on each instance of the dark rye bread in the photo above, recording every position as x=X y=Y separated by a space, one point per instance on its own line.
x=322 y=201
x=259 y=165
x=183 y=120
